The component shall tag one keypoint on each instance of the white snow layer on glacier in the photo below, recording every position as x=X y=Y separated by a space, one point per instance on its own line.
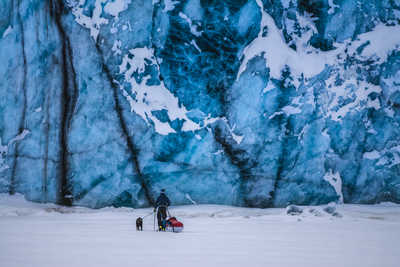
x=147 y=98
x=305 y=62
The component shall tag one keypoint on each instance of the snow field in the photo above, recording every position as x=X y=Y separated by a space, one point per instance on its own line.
x=41 y=235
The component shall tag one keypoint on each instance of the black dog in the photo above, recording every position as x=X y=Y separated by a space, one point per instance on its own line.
x=139 y=224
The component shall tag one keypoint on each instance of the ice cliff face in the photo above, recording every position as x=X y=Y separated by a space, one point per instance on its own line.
x=257 y=103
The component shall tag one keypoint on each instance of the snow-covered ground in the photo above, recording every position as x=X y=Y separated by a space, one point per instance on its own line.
x=41 y=235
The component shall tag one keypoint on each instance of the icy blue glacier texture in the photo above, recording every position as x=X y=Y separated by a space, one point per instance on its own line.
x=255 y=103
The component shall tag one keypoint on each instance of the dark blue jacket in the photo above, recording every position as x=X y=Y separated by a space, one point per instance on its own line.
x=162 y=200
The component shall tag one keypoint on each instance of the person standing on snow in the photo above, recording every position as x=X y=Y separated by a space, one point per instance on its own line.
x=162 y=204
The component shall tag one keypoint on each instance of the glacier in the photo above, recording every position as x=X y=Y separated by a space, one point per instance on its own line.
x=253 y=103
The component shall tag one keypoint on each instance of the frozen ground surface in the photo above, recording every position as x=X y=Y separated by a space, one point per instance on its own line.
x=41 y=235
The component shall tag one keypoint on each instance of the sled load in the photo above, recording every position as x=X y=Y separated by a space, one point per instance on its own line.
x=173 y=225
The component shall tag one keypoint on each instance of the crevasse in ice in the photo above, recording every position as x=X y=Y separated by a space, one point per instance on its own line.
x=253 y=103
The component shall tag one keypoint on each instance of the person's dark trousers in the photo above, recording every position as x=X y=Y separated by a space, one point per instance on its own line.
x=161 y=215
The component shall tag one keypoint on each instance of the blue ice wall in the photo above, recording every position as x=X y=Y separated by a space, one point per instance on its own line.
x=254 y=103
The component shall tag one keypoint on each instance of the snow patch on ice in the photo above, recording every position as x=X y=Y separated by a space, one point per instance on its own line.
x=144 y=98
x=380 y=41
x=209 y=120
x=332 y=7
x=270 y=86
x=287 y=110
x=115 y=7
x=238 y=138
x=193 y=28
x=393 y=83
x=148 y=98
x=7 y=31
x=5 y=148
x=169 y=5
x=138 y=62
x=92 y=23
x=187 y=196
x=117 y=47
x=278 y=54
x=220 y=151
x=275 y=114
x=336 y=181
x=371 y=155
x=307 y=62
x=193 y=42
x=388 y=156
x=290 y=110
x=362 y=90
x=19 y=137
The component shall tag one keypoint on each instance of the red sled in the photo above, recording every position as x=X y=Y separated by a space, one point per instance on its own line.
x=173 y=225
